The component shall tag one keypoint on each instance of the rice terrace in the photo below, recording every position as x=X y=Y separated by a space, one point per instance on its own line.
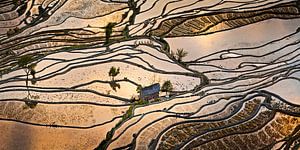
x=150 y=74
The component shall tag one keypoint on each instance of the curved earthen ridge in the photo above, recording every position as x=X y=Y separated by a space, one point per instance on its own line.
x=226 y=74
x=220 y=21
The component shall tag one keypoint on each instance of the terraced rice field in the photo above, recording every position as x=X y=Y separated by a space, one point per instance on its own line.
x=234 y=67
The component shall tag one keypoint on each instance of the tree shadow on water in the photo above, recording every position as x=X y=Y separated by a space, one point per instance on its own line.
x=114 y=85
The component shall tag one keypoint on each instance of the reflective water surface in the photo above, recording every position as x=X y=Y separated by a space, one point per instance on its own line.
x=233 y=68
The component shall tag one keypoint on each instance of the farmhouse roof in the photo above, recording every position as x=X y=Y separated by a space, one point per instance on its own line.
x=149 y=90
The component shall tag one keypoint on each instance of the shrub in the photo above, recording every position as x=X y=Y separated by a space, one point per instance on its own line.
x=167 y=86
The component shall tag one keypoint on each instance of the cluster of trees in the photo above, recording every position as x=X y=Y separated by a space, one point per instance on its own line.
x=166 y=86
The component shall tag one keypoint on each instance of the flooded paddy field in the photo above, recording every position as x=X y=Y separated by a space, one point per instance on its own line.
x=79 y=74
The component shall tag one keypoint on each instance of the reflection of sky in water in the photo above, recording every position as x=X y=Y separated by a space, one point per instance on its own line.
x=288 y=89
x=198 y=46
x=246 y=36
